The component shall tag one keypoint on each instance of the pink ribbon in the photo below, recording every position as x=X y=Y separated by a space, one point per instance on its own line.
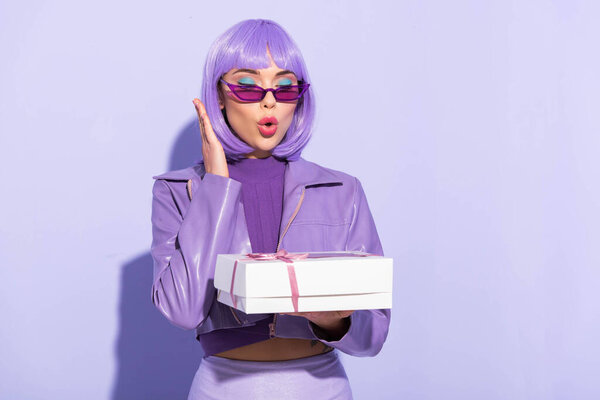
x=288 y=258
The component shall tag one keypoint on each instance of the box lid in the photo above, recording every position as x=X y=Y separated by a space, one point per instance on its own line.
x=325 y=273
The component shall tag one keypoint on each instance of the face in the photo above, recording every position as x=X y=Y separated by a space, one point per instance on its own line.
x=262 y=125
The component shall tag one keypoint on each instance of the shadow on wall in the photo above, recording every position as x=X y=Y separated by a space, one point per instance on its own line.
x=156 y=360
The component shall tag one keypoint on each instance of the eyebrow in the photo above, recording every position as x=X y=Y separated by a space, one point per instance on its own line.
x=255 y=72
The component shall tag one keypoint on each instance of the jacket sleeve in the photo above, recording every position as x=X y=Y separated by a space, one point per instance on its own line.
x=368 y=329
x=184 y=247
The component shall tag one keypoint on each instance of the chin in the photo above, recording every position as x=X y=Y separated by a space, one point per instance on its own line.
x=268 y=149
x=269 y=143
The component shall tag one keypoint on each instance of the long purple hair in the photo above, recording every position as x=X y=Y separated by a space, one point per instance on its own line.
x=244 y=45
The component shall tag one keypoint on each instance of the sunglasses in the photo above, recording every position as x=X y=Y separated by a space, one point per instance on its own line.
x=254 y=93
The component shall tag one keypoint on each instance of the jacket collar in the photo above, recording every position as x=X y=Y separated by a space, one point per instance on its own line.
x=302 y=173
x=298 y=174
x=183 y=174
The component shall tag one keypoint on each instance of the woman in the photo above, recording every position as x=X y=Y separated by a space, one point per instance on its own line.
x=253 y=193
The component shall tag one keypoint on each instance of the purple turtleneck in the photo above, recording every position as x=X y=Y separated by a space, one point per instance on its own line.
x=262 y=197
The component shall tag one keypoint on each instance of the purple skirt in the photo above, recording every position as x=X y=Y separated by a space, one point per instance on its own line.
x=316 y=377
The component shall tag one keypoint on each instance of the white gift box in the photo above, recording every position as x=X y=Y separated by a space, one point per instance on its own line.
x=325 y=281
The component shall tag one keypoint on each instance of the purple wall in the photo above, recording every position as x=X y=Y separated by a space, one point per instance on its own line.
x=472 y=125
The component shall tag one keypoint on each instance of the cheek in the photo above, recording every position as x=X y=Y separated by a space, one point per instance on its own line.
x=288 y=113
x=238 y=115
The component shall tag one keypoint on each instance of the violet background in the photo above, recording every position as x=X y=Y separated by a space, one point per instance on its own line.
x=473 y=126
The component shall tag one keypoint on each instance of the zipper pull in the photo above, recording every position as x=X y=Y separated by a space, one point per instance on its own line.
x=272 y=326
x=272 y=330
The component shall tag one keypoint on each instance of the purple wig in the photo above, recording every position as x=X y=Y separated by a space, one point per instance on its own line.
x=244 y=45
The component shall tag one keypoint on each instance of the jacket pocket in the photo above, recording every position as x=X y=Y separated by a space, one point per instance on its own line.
x=317 y=236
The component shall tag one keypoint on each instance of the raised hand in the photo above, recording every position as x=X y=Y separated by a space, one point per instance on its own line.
x=212 y=150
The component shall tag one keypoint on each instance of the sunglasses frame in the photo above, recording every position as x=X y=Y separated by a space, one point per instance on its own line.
x=302 y=86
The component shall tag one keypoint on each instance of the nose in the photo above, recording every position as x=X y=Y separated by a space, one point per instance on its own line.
x=269 y=100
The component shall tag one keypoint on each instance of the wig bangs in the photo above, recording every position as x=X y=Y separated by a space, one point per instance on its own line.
x=248 y=46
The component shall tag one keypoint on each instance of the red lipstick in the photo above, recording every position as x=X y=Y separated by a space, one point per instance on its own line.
x=267 y=126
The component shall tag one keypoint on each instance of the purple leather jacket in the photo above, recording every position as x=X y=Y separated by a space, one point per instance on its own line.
x=197 y=215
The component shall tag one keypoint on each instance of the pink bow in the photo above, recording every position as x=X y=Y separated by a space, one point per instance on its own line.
x=282 y=255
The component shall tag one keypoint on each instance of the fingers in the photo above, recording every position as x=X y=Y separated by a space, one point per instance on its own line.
x=201 y=111
x=213 y=155
x=206 y=130
x=199 y=108
x=317 y=314
x=346 y=313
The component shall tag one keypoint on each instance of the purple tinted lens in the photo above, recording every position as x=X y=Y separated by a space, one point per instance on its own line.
x=287 y=94
x=248 y=93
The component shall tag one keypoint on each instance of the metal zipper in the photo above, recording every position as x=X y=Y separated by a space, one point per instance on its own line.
x=272 y=324
x=292 y=218
x=272 y=327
